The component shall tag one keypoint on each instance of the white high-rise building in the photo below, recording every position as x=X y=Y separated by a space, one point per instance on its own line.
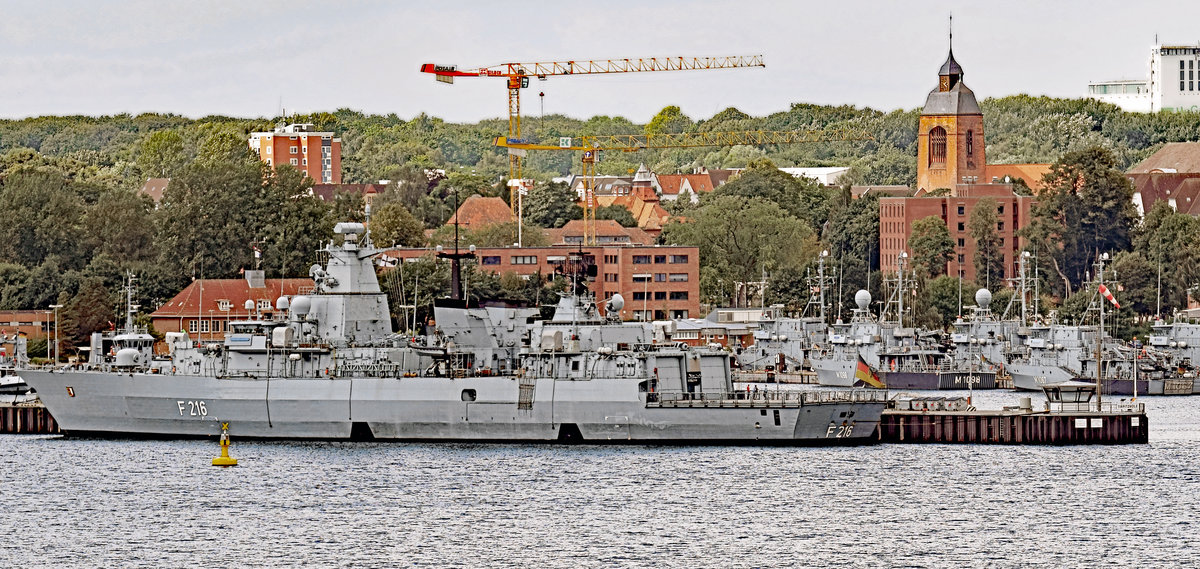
x=1173 y=83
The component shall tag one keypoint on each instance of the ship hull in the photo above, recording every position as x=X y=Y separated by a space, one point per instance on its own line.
x=1031 y=377
x=436 y=409
x=834 y=373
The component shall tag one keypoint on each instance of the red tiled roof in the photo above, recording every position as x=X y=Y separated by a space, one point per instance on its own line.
x=1182 y=190
x=670 y=183
x=479 y=211
x=155 y=188
x=700 y=182
x=326 y=191
x=604 y=228
x=650 y=216
x=236 y=291
x=1031 y=173
x=1180 y=157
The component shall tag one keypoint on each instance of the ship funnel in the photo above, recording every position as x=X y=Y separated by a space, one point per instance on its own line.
x=863 y=299
x=983 y=298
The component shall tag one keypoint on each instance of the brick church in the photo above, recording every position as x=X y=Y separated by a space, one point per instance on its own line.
x=953 y=176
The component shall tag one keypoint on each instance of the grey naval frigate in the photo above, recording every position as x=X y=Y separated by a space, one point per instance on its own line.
x=330 y=367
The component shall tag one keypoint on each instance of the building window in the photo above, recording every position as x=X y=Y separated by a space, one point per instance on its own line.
x=641 y=278
x=294 y=162
x=1001 y=209
x=679 y=277
x=660 y=295
x=264 y=304
x=304 y=149
x=490 y=260
x=304 y=161
x=1181 y=85
x=679 y=314
x=1000 y=226
x=961 y=210
x=962 y=242
x=679 y=259
x=224 y=305
x=960 y=260
x=970 y=143
x=292 y=149
x=660 y=277
x=524 y=260
x=937 y=145
x=1001 y=241
x=268 y=150
x=204 y=326
x=639 y=295
x=679 y=295
x=961 y=226
x=193 y=326
x=660 y=258
x=610 y=277
x=641 y=259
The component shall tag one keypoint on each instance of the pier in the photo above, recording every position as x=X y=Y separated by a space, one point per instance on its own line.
x=1067 y=417
x=23 y=418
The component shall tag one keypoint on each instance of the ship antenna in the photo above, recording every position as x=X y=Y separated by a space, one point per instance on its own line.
x=456 y=292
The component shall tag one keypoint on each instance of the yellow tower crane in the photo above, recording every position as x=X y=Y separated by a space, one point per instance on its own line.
x=518 y=75
x=593 y=145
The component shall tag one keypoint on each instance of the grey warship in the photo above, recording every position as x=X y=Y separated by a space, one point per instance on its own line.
x=332 y=368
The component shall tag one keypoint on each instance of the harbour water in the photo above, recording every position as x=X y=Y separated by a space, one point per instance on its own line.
x=109 y=503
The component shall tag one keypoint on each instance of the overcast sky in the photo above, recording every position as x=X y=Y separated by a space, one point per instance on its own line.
x=250 y=58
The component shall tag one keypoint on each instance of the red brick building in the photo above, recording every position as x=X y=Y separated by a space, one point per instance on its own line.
x=951 y=158
x=317 y=154
x=657 y=282
x=205 y=307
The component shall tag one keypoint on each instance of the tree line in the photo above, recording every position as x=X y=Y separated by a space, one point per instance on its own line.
x=77 y=221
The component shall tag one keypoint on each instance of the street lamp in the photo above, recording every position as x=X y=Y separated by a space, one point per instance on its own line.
x=56 y=307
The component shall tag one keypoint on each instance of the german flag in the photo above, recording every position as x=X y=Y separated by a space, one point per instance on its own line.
x=864 y=376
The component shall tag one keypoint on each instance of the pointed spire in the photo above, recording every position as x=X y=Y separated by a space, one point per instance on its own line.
x=951 y=71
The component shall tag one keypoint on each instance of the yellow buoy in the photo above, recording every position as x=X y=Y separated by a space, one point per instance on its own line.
x=224 y=459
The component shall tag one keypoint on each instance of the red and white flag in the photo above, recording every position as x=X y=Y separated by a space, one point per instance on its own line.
x=1104 y=291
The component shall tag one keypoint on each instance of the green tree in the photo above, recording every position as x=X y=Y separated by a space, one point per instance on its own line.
x=392 y=224
x=739 y=238
x=616 y=213
x=161 y=153
x=989 y=255
x=801 y=197
x=1084 y=209
x=669 y=120
x=90 y=310
x=551 y=205
x=931 y=246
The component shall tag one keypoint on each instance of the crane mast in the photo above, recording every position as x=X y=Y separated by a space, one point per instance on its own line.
x=518 y=74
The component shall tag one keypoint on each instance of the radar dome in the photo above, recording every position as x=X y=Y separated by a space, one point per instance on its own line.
x=281 y=303
x=983 y=298
x=863 y=299
x=249 y=305
x=301 y=305
x=615 y=304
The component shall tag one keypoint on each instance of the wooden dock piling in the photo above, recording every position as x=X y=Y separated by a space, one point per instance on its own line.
x=1013 y=427
x=25 y=419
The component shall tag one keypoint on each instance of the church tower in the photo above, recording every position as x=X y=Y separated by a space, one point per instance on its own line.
x=950 y=134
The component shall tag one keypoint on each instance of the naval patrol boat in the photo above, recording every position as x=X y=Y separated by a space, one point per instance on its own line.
x=332 y=368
